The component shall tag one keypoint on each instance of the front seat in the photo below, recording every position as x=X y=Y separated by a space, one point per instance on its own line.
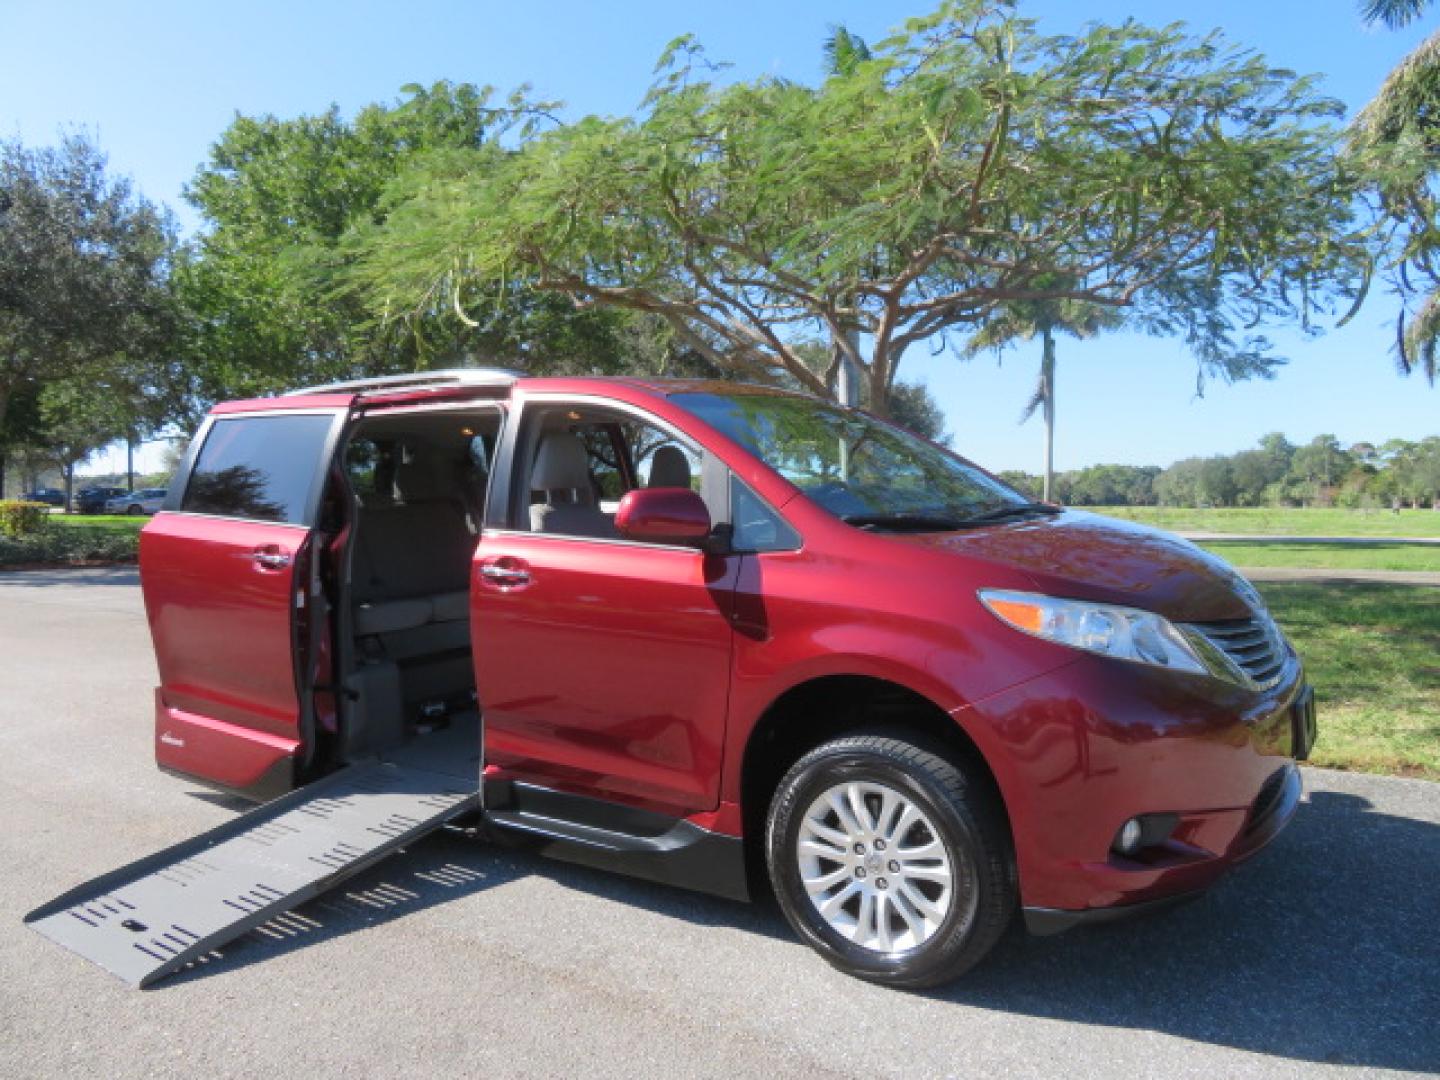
x=669 y=468
x=562 y=473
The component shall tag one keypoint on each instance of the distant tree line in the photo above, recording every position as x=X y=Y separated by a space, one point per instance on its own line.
x=1276 y=472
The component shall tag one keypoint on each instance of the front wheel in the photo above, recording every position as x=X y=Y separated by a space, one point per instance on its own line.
x=889 y=860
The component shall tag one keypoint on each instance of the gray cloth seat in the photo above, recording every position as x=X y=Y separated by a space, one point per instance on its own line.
x=391 y=616
x=669 y=468
x=411 y=565
x=562 y=475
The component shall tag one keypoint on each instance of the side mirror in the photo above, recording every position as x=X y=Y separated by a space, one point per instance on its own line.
x=663 y=516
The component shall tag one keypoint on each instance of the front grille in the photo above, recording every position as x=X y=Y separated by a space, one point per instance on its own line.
x=1252 y=645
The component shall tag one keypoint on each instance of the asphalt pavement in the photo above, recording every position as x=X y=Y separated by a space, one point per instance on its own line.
x=1320 y=957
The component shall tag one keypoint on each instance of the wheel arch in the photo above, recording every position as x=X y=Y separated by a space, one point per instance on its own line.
x=826 y=707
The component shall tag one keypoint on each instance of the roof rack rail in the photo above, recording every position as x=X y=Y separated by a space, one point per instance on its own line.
x=418 y=380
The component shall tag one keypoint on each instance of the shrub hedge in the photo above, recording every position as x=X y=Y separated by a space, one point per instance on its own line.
x=74 y=544
x=19 y=518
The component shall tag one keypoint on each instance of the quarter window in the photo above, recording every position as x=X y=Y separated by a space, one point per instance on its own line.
x=755 y=527
x=262 y=467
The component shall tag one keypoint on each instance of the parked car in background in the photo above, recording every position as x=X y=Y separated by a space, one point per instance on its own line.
x=92 y=500
x=144 y=501
x=48 y=496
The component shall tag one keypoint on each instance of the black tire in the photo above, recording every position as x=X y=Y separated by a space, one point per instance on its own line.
x=971 y=828
x=134 y=508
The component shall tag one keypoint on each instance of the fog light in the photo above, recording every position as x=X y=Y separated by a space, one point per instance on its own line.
x=1127 y=840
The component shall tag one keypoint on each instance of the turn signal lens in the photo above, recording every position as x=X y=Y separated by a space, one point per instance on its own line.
x=1018 y=613
x=1141 y=637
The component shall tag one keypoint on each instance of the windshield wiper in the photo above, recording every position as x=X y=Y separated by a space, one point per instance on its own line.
x=915 y=522
x=1009 y=510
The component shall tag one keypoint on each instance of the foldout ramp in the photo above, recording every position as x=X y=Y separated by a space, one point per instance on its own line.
x=155 y=916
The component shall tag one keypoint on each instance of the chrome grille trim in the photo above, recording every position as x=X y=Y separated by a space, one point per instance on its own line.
x=1253 y=651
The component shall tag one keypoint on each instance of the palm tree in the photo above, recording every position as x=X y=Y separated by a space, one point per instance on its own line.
x=1393 y=13
x=1395 y=142
x=1023 y=321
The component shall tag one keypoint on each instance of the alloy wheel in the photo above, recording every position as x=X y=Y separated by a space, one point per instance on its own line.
x=874 y=866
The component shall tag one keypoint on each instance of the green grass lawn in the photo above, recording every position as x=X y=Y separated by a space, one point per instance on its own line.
x=1369 y=556
x=1282 y=522
x=1373 y=655
x=109 y=522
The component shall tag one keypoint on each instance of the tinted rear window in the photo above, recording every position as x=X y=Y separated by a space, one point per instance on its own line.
x=258 y=467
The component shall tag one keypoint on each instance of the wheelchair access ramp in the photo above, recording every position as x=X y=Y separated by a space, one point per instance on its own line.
x=156 y=916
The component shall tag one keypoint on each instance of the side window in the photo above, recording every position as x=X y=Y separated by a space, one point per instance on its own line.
x=755 y=526
x=585 y=461
x=259 y=467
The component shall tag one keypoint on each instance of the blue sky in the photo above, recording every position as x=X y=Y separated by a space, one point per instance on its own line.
x=158 y=81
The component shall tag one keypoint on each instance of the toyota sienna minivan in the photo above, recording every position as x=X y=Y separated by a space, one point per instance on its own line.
x=727 y=637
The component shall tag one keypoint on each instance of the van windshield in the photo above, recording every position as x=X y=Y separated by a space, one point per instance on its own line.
x=864 y=471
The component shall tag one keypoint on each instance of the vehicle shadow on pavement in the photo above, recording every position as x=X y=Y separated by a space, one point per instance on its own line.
x=1323 y=949
x=445 y=867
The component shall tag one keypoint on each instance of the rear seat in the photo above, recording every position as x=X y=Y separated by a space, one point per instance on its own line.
x=411 y=566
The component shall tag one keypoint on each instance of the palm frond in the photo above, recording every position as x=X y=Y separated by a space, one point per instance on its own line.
x=1393 y=13
x=1407 y=101
x=1037 y=398
x=1419 y=338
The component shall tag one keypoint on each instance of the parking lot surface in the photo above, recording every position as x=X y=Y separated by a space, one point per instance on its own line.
x=1321 y=957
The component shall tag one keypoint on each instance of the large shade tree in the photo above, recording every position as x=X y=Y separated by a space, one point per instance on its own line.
x=84 y=282
x=965 y=163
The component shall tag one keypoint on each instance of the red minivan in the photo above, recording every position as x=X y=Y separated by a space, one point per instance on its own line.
x=750 y=638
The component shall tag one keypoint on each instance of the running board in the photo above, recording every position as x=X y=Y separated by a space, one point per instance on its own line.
x=610 y=837
x=163 y=912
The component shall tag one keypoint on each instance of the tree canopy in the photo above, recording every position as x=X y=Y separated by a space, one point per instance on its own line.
x=85 y=296
x=278 y=196
x=966 y=162
x=1395 y=146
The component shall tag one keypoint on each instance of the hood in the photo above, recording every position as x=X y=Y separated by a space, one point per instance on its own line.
x=1088 y=557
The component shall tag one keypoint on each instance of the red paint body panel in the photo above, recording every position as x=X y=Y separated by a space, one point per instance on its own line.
x=308 y=403
x=607 y=673
x=1081 y=749
x=222 y=628
x=231 y=755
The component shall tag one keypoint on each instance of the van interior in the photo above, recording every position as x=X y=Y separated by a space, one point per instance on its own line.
x=412 y=497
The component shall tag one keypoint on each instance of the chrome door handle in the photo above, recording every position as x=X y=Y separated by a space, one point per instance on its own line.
x=504 y=576
x=271 y=560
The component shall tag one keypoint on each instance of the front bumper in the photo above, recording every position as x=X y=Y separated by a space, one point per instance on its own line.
x=1080 y=750
x=1272 y=811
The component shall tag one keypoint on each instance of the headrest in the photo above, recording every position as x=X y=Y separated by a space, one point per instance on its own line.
x=422 y=477
x=669 y=468
x=560 y=464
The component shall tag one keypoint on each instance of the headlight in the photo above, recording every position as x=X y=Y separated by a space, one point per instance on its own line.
x=1119 y=632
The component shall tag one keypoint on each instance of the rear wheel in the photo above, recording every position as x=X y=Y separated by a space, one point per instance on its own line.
x=889 y=860
x=134 y=508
